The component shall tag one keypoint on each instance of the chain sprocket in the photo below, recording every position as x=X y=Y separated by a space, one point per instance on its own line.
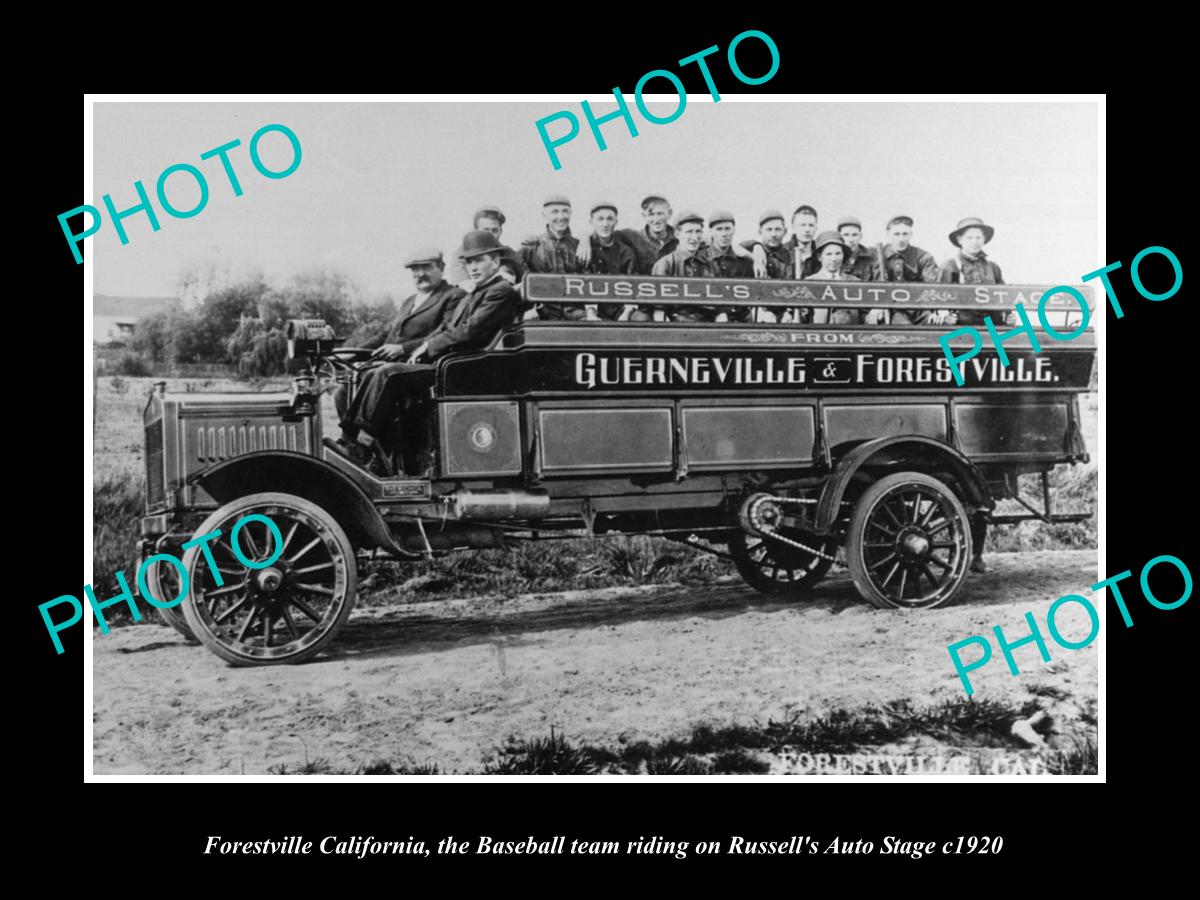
x=762 y=514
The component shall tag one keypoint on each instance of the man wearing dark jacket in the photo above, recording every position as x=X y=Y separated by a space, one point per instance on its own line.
x=487 y=218
x=419 y=315
x=368 y=423
x=553 y=249
x=608 y=257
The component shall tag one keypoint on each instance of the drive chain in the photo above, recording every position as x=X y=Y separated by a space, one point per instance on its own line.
x=767 y=531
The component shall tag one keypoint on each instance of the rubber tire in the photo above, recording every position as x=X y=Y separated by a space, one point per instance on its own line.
x=854 y=538
x=174 y=615
x=194 y=558
x=755 y=577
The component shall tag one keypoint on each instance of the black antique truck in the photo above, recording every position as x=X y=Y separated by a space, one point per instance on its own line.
x=787 y=447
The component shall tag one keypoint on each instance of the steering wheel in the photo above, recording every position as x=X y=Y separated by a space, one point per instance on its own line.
x=352 y=354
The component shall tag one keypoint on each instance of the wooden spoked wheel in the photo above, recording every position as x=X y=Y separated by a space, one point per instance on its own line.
x=283 y=612
x=774 y=567
x=909 y=542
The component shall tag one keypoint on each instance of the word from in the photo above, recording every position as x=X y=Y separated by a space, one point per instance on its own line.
x=622 y=110
x=145 y=206
x=184 y=583
x=1036 y=637
x=628 y=372
x=998 y=338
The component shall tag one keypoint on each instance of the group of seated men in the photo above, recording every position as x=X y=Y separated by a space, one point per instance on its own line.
x=440 y=317
x=688 y=245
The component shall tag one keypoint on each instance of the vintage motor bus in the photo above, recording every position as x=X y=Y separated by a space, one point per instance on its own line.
x=791 y=446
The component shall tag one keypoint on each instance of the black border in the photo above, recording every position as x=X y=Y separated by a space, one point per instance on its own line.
x=1149 y=488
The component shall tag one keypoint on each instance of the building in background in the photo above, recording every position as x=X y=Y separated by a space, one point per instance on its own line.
x=114 y=319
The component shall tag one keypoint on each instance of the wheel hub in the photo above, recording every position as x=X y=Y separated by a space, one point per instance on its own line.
x=914 y=545
x=268 y=580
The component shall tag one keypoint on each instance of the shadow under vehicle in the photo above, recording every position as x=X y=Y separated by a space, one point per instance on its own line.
x=783 y=444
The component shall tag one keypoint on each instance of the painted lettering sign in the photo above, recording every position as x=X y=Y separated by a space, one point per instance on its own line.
x=832 y=294
x=791 y=369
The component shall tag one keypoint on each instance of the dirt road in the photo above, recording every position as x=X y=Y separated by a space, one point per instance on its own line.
x=448 y=681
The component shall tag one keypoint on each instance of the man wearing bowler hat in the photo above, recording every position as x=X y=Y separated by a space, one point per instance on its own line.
x=487 y=218
x=903 y=261
x=830 y=251
x=859 y=262
x=554 y=250
x=419 y=315
x=368 y=425
x=970 y=265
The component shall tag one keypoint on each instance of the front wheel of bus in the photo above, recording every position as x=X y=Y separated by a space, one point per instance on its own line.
x=293 y=597
x=909 y=543
x=163 y=582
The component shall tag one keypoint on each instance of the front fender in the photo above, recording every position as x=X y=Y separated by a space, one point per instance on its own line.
x=305 y=476
x=926 y=452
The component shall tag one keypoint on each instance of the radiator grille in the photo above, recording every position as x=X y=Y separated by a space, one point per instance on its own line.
x=155 y=494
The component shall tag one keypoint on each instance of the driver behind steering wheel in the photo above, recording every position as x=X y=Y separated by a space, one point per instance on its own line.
x=368 y=424
x=418 y=316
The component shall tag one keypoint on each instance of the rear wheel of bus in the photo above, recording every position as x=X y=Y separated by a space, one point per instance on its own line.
x=909 y=542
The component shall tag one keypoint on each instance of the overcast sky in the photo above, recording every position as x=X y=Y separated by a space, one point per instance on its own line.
x=378 y=179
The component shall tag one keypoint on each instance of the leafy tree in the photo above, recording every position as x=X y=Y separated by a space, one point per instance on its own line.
x=323 y=294
x=219 y=315
x=153 y=335
x=370 y=319
x=244 y=322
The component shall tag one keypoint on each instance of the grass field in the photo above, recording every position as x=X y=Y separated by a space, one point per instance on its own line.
x=973 y=733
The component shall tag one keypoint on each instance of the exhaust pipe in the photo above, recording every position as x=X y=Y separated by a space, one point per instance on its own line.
x=498 y=504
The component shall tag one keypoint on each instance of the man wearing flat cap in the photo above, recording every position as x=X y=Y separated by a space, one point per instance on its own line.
x=830 y=251
x=369 y=433
x=859 y=262
x=905 y=262
x=970 y=265
x=686 y=261
x=487 y=218
x=654 y=240
x=418 y=315
x=725 y=262
x=554 y=250
x=771 y=229
x=802 y=259
x=649 y=243
x=779 y=260
x=608 y=257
